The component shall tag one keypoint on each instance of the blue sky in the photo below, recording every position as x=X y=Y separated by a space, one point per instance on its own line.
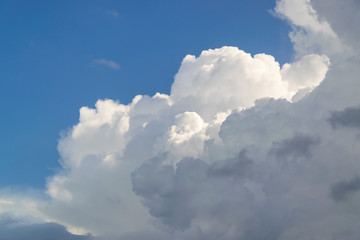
x=47 y=67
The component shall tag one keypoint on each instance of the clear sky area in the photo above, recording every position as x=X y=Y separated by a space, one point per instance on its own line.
x=49 y=53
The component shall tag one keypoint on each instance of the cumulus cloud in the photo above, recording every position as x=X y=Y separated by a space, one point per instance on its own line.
x=241 y=148
x=112 y=140
x=108 y=63
x=228 y=78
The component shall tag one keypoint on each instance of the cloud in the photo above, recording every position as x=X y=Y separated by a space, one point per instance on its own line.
x=345 y=25
x=236 y=167
x=107 y=139
x=193 y=192
x=310 y=33
x=243 y=79
x=107 y=63
x=297 y=146
x=203 y=161
x=349 y=117
x=112 y=12
x=11 y=229
x=306 y=73
x=340 y=191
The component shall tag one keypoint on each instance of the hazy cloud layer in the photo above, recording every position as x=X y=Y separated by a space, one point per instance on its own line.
x=241 y=148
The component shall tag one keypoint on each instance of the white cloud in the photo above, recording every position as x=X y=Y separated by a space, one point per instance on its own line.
x=310 y=34
x=108 y=63
x=308 y=72
x=178 y=125
x=228 y=78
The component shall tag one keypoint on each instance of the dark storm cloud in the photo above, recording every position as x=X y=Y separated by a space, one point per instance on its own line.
x=298 y=146
x=342 y=190
x=13 y=230
x=349 y=117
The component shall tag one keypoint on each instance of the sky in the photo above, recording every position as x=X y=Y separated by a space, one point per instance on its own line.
x=180 y=120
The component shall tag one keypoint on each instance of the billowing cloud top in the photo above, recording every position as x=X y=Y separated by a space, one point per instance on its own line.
x=242 y=148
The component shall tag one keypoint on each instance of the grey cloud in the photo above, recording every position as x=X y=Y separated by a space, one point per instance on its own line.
x=153 y=178
x=143 y=235
x=138 y=235
x=213 y=194
x=166 y=192
x=11 y=229
x=342 y=19
x=263 y=229
x=236 y=167
x=298 y=146
x=342 y=190
x=194 y=190
x=349 y=117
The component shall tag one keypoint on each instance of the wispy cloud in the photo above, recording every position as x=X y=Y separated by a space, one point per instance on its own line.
x=108 y=63
x=112 y=12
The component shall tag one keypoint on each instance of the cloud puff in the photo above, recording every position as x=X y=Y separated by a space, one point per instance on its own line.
x=228 y=78
x=241 y=148
x=108 y=63
x=306 y=73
